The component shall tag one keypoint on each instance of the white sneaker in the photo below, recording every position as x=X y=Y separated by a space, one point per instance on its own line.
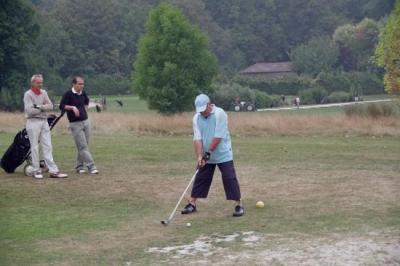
x=81 y=171
x=58 y=175
x=94 y=171
x=38 y=175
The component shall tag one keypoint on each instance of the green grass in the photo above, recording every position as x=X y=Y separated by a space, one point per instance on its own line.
x=130 y=103
x=310 y=185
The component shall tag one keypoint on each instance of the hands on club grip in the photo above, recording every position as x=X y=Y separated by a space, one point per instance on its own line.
x=201 y=162
x=206 y=156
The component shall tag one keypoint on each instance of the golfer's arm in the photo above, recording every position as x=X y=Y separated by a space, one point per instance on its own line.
x=198 y=148
x=214 y=144
x=69 y=107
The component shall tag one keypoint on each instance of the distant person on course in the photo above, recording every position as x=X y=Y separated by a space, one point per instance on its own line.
x=36 y=105
x=75 y=102
x=212 y=145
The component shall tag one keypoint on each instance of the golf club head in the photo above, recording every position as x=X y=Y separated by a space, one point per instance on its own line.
x=165 y=222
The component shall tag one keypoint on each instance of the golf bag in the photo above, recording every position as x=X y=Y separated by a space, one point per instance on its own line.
x=20 y=149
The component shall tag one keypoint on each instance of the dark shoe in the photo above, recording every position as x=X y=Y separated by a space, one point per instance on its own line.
x=189 y=209
x=239 y=211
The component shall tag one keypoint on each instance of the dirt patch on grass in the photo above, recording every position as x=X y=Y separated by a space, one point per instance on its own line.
x=253 y=248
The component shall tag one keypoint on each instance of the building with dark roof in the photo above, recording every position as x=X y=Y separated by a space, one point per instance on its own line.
x=269 y=70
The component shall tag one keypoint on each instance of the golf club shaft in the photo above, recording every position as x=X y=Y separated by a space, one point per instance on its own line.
x=183 y=194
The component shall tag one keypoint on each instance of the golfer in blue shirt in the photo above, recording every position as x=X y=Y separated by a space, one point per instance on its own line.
x=212 y=144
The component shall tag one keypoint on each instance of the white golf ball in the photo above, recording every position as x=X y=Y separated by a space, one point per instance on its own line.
x=188 y=224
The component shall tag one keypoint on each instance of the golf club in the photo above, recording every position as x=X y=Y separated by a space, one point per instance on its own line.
x=167 y=221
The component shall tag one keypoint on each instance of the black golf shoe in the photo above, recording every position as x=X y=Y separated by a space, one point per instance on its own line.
x=239 y=211
x=189 y=208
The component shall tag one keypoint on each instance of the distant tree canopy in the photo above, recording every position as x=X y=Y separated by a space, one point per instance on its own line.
x=173 y=62
x=319 y=54
x=388 y=51
x=17 y=31
x=98 y=38
x=357 y=44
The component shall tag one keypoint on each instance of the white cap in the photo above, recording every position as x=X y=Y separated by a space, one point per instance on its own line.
x=201 y=103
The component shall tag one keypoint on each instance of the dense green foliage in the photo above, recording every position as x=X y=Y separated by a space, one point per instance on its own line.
x=319 y=54
x=17 y=31
x=173 y=63
x=228 y=96
x=388 y=51
x=287 y=85
x=99 y=39
x=361 y=83
x=313 y=96
x=339 y=96
x=356 y=44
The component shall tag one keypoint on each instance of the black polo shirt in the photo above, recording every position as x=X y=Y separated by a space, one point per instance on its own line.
x=77 y=100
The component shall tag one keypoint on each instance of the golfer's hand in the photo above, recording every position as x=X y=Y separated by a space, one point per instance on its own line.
x=201 y=161
x=76 y=111
x=206 y=156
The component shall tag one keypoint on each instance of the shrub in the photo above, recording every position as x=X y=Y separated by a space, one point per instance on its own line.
x=289 y=85
x=374 y=110
x=333 y=82
x=361 y=83
x=227 y=95
x=320 y=53
x=314 y=95
x=263 y=100
x=339 y=96
x=368 y=82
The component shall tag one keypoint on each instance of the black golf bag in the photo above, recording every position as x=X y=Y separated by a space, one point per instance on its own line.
x=20 y=149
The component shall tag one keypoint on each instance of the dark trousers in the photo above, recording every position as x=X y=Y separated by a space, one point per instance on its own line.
x=204 y=177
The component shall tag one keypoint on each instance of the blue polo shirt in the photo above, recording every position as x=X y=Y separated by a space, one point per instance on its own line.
x=214 y=126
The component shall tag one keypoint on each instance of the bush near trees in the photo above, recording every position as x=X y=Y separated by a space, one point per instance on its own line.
x=281 y=85
x=173 y=63
x=314 y=95
x=356 y=44
x=227 y=96
x=361 y=83
x=319 y=54
x=339 y=96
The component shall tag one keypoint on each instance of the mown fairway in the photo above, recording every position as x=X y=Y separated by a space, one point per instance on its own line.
x=328 y=199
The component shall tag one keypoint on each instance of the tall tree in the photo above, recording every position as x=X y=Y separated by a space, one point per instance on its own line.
x=356 y=44
x=17 y=32
x=319 y=54
x=173 y=62
x=388 y=51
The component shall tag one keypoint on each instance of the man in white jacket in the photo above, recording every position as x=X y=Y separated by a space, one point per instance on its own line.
x=37 y=103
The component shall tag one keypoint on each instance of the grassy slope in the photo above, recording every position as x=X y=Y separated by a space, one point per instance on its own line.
x=310 y=185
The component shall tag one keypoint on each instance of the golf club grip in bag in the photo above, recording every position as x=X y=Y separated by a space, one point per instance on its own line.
x=19 y=150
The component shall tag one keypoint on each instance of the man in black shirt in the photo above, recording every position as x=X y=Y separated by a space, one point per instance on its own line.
x=75 y=102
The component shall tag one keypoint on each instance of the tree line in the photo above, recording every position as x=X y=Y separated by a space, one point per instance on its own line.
x=99 y=39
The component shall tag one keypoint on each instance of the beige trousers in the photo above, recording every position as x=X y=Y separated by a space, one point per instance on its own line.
x=39 y=132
